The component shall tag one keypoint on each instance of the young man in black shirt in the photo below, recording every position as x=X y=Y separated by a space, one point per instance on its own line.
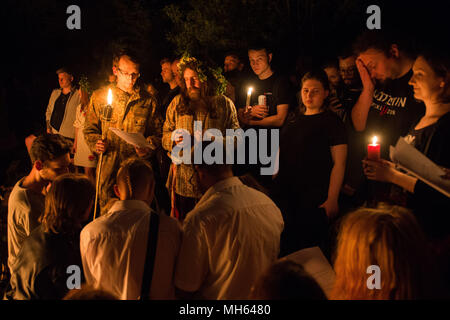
x=269 y=103
x=273 y=86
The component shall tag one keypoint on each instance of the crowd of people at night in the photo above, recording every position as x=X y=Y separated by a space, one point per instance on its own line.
x=140 y=223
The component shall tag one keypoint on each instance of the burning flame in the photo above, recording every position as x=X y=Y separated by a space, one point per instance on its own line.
x=374 y=140
x=109 y=97
x=249 y=92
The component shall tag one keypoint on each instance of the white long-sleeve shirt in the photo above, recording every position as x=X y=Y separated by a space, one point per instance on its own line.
x=113 y=249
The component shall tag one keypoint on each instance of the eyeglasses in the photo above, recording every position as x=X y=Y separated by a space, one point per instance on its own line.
x=128 y=75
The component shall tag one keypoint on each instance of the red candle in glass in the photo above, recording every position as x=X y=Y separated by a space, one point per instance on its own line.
x=373 y=150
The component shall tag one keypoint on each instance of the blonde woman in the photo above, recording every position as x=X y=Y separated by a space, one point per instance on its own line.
x=390 y=238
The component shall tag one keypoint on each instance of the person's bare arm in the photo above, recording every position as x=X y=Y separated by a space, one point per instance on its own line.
x=339 y=156
x=361 y=109
x=276 y=120
x=385 y=171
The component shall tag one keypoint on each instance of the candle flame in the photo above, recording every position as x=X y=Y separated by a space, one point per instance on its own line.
x=374 y=140
x=109 y=97
x=249 y=92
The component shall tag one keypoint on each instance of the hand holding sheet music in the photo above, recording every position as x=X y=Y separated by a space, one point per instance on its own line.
x=416 y=163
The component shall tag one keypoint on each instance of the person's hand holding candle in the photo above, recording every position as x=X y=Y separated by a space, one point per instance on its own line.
x=259 y=112
x=379 y=170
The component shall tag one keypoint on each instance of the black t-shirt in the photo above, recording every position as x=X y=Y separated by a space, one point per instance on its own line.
x=58 y=110
x=430 y=206
x=393 y=111
x=168 y=99
x=276 y=88
x=305 y=156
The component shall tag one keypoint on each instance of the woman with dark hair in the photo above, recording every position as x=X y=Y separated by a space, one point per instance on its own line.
x=40 y=270
x=313 y=149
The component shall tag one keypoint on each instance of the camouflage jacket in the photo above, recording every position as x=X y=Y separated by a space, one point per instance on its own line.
x=131 y=113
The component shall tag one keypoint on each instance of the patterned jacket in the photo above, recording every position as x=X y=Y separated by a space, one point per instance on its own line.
x=186 y=183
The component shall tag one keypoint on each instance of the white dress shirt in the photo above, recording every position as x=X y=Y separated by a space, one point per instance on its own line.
x=113 y=249
x=229 y=238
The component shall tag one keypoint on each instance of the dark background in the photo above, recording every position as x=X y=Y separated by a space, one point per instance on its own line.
x=36 y=42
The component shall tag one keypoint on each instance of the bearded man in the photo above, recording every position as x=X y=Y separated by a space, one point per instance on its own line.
x=201 y=99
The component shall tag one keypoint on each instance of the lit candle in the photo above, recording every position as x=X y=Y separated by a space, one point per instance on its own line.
x=109 y=98
x=249 y=94
x=107 y=114
x=373 y=150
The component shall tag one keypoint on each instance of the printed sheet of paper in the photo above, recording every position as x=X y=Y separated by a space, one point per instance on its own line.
x=136 y=139
x=315 y=263
x=417 y=164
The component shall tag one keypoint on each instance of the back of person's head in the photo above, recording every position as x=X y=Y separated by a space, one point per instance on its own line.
x=251 y=182
x=388 y=237
x=214 y=155
x=89 y=293
x=67 y=203
x=48 y=147
x=286 y=280
x=437 y=57
x=135 y=179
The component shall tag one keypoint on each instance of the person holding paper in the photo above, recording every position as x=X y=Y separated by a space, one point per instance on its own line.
x=431 y=136
x=201 y=100
x=134 y=110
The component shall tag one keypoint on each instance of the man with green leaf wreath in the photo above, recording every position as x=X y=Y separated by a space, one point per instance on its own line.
x=201 y=99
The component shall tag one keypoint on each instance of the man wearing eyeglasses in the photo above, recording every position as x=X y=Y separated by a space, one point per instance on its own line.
x=134 y=110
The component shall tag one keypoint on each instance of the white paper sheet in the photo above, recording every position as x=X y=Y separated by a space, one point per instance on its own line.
x=315 y=263
x=416 y=163
x=136 y=139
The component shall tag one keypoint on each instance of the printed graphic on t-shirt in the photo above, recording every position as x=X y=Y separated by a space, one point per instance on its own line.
x=386 y=104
